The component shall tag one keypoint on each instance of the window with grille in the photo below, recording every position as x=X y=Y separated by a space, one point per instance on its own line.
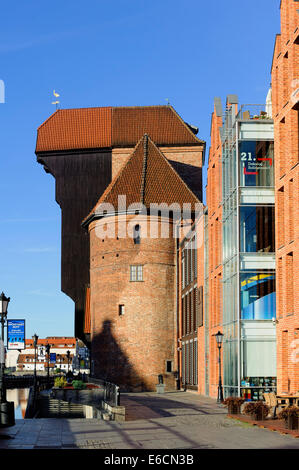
x=136 y=273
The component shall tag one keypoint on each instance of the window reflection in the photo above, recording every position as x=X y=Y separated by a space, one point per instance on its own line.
x=258 y=296
x=257 y=229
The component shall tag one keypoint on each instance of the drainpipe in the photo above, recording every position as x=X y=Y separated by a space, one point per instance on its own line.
x=178 y=380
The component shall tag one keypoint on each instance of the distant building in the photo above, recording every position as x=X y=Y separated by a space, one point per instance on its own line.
x=58 y=355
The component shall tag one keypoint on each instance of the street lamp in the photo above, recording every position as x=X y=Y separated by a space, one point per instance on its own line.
x=68 y=355
x=35 y=339
x=4 y=301
x=7 y=408
x=219 y=340
x=48 y=356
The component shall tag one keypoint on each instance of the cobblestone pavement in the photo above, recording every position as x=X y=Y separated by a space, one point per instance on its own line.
x=178 y=420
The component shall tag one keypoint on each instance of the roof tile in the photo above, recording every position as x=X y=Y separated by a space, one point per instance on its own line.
x=148 y=178
x=89 y=128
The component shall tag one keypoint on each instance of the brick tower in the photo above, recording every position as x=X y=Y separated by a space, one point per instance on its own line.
x=133 y=271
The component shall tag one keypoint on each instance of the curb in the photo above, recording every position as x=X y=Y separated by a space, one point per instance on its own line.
x=262 y=424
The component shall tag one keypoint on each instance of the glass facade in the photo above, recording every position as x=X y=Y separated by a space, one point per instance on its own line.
x=249 y=299
x=257 y=229
x=256 y=163
x=257 y=295
x=191 y=312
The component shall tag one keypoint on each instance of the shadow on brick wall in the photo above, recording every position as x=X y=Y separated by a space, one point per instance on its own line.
x=111 y=364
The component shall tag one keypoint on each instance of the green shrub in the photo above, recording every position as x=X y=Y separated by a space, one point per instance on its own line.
x=78 y=385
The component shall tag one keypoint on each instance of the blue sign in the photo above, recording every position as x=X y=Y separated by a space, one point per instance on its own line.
x=53 y=357
x=15 y=334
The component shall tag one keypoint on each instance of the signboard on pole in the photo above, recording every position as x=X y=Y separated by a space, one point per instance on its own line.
x=41 y=353
x=53 y=358
x=15 y=334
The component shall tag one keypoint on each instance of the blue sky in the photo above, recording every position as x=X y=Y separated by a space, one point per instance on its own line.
x=106 y=53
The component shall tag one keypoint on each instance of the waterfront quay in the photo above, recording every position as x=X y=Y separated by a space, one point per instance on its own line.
x=174 y=420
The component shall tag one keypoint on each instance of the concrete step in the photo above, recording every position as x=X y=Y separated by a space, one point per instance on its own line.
x=52 y=408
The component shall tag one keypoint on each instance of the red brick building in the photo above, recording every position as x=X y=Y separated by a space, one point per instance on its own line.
x=133 y=316
x=215 y=268
x=285 y=98
x=190 y=306
x=84 y=149
x=124 y=286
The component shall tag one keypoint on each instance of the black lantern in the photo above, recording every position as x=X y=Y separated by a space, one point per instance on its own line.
x=219 y=340
x=4 y=301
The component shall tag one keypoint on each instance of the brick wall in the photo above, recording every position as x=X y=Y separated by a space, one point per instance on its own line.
x=285 y=82
x=214 y=198
x=131 y=349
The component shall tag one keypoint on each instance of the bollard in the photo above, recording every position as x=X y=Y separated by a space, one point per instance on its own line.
x=7 y=414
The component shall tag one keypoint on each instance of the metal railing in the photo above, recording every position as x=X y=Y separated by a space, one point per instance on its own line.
x=111 y=392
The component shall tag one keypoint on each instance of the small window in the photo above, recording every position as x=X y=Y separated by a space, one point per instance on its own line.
x=168 y=366
x=136 y=273
x=121 y=309
x=137 y=235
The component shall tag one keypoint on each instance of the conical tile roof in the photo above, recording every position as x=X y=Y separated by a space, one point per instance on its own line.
x=146 y=178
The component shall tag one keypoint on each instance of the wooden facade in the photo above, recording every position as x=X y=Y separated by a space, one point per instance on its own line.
x=81 y=176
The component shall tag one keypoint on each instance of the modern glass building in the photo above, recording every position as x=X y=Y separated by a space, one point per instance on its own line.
x=249 y=310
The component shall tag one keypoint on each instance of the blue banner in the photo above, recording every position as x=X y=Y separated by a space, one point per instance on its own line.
x=15 y=334
x=53 y=357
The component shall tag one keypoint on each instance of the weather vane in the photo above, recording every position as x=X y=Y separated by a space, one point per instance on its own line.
x=56 y=96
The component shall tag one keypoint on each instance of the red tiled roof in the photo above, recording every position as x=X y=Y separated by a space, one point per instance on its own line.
x=55 y=340
x=75 y=129
x=162 y=123
x=148 y=178
x=89 y=128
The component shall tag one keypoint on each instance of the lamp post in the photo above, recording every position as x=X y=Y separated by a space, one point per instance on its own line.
x=68 y=355
x=4 y=301
x=35 y=339
x=7 y=408
x=48 y=356
x=219 y=339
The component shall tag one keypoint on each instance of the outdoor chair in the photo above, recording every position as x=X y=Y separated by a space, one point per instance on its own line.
x=271 y=401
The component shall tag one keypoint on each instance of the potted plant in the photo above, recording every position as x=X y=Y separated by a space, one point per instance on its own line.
x=258 y=410
x=233 y=404
x=291 y=416
x=60 y=382
x=78 y=385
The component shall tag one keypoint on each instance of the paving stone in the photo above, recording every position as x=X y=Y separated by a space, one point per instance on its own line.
x=185 y=421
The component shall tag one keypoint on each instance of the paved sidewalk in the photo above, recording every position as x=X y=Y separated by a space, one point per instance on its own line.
x=178 y=420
